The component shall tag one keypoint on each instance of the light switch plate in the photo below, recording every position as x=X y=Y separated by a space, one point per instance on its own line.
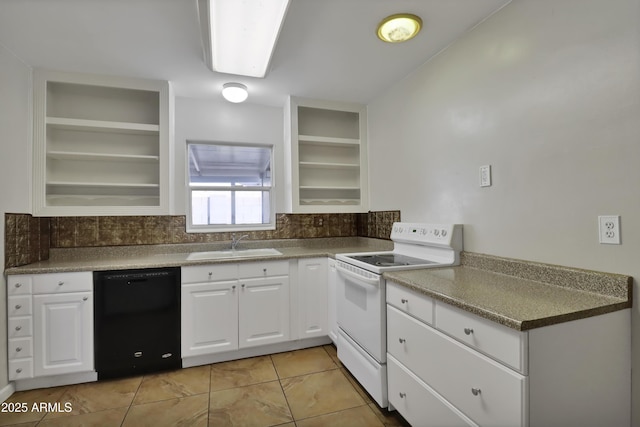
x=485 y=176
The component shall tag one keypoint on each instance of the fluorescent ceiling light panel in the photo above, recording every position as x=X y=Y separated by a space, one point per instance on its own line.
x=240 y=35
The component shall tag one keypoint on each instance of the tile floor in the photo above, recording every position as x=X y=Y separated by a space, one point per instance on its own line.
x=303 y=388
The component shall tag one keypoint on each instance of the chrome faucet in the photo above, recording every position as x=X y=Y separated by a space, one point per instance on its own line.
x=234 y=241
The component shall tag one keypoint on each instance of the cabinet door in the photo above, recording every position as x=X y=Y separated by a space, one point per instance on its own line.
x=312 y=296
x=63 y=333
x=209 y=318
x=264 y=311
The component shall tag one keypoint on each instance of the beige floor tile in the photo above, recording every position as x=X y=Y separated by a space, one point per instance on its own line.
x=361 y=391
x=98 y=396
x=242 y=372
x=302 y=362
x=257 y=405
x=108 y=418
x=173 y=384
x=333 y=354
x=186 y=411
x=27 y=398
x=362 y=416
x=320 y=393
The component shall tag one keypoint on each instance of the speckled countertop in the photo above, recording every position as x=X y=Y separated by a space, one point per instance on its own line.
x=518 y=294
x=175 y=255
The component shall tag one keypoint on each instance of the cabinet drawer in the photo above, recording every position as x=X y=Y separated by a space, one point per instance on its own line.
x=264 y=269
x=411 y=302
x=62 y=282
x=481 y=388
x=19 y=327
x=20 y=348
x=500 y=342
x=417 y=402
x=19 y=306
x=209 y=273
x=19 y=285
x=20 y=369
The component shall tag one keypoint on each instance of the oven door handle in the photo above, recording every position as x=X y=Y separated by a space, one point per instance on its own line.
x=361 y=279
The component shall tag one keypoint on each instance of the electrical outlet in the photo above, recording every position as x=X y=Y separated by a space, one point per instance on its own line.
x=485 y=176
x=609 y=228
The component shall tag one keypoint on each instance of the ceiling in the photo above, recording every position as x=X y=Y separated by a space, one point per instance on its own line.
x=327 y=48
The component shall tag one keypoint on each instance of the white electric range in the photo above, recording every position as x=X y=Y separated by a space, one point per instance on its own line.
x=361 y=295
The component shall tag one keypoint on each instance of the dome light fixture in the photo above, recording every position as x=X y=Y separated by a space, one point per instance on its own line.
x=399 y=28
x=235 y=92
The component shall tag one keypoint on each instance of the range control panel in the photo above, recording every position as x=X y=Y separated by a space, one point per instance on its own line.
x=427 y=234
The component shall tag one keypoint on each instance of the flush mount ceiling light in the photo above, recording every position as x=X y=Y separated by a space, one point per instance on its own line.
x=399 y=28
x=239 y=36
x=235 y=92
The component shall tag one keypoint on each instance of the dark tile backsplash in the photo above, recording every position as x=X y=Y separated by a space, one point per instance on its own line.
x=28 y=239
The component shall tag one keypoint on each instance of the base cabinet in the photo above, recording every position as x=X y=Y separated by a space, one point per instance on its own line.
x=465 y=370
x=50 y=324
x=313 y=297
x=228 y=307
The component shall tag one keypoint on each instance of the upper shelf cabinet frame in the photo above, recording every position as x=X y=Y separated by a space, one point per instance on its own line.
x=326 y=156
x=101 y=145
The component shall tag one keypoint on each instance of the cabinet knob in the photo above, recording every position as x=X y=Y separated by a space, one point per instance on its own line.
x=468 y=331
x=18 y=285
x=18 y=349
x=18 y=328
x=233 y=287
x=404 y=301
x=243 y=286
x=210 y=273
x=264 y=270
x=85 y=298
x=475 y=391
x=18 y=306
x=60 y=283
x=402 y=340
x=402 y=395
x=18 y=370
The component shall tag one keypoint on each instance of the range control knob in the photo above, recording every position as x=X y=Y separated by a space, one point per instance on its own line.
x=443 y=233
x=436 y=233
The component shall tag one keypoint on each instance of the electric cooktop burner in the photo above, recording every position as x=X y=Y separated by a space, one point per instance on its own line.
x=390 y=260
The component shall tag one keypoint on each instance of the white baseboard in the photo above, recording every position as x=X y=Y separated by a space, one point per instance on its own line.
x=7 y=391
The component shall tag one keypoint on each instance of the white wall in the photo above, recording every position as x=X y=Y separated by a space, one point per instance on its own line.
x=219 y=120
x=548 y=93
x=15 y=164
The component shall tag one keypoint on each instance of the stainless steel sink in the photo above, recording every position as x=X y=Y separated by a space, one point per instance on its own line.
x=236 y=253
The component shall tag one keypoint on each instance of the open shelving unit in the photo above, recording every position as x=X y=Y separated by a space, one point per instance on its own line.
x=101 y=145
x=326 y=149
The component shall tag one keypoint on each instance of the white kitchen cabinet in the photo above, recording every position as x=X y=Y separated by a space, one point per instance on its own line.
x=63 y=333
x=465 y=370
x=206 y=311
x=313 y=297
x=332 y=303
x=101 y=145
x=228 y=307
x=326 y=156
x=50 y=324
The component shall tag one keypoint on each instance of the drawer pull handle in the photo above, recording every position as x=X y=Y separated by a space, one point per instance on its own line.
x=468 y=331
x=402 y=340
x=18 y=285
x=18 y=306
x=404 y=301
x=402 y=395
x=475 y=391
x=18 y=370
x=60 y=283
x=18 y=328
x=18 y=349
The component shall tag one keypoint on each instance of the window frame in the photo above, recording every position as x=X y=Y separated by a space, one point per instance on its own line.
x=210 y=228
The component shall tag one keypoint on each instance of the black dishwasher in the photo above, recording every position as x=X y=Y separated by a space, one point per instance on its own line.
x=136 y=321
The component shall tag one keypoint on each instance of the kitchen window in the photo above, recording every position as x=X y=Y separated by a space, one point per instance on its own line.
x=230 y=187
